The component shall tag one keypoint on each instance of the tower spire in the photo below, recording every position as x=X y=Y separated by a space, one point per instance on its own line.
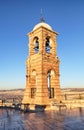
x=41 y=14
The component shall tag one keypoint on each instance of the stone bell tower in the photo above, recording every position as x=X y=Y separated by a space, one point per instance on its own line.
x=42 y=67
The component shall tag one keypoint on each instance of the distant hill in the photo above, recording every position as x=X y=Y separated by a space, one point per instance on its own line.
x=73 y=89
x=19 y=93
x=63 y=89
x=12 y=90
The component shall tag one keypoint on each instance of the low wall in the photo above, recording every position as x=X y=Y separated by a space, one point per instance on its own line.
x=73 y=103
x=67 y=104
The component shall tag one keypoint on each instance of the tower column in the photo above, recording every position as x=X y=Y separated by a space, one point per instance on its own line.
x=27 y=92
x=42 y=43
x=42 y=95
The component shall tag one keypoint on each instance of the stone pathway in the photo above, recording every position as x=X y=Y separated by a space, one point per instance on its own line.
x=49 y=120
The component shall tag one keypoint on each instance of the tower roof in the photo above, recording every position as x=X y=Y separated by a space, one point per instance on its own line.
x=43 y=24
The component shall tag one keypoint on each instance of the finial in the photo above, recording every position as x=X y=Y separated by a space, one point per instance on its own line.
x=41 y=19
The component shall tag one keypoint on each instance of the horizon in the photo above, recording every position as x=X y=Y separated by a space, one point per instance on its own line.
x=15 y=89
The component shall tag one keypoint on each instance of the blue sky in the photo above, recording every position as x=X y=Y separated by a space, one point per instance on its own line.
x=18 y=17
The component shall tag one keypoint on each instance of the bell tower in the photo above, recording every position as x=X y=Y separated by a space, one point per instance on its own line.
x=42 y=67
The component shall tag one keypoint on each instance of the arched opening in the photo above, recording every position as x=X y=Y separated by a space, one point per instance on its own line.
x=34 y=72
x=36 y=43
x=50 y=88
x=49 y=83
x=48 y=44
x=33 y=82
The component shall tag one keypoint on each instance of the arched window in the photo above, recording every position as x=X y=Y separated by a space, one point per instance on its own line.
x=48 y=45
x=49 y=78
x=36 y=45
x=50 y=88
x=49 y=82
